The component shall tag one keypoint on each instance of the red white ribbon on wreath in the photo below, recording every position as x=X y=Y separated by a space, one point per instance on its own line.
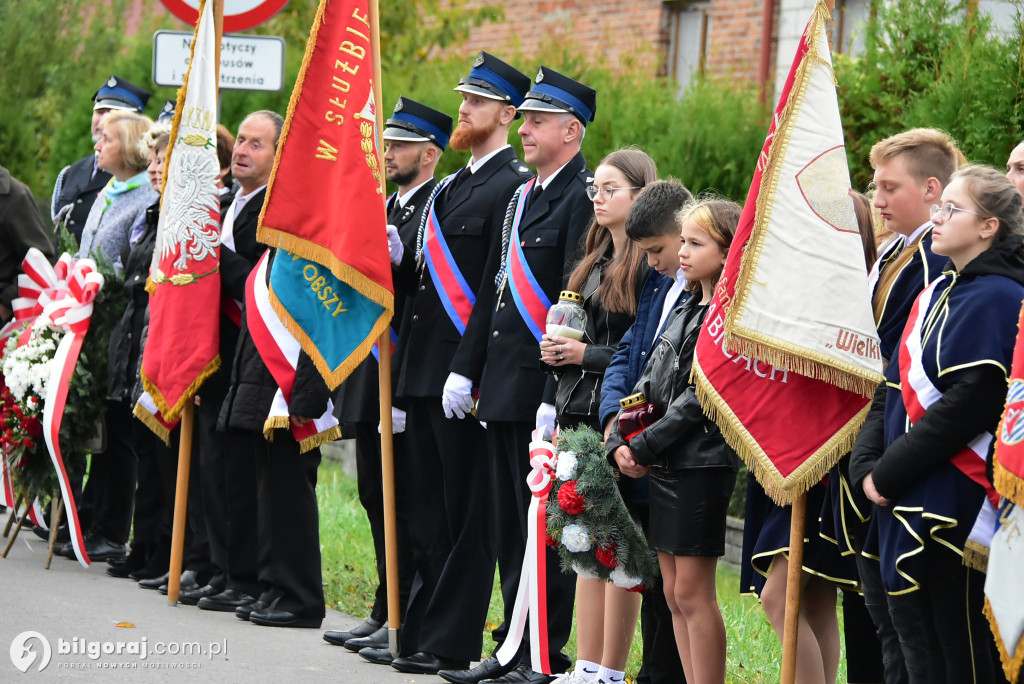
x=59 y=297
x=532 y=595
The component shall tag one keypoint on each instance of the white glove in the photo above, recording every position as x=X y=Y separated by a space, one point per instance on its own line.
x=397 y=421
x=457 y=396
x=395 y=247
x=546 y=419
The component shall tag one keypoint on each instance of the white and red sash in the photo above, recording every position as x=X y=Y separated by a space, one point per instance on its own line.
x=919 y=393
x=280 y=351
x=532 y=594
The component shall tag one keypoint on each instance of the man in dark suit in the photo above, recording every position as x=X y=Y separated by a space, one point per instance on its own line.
x=21 y=228
x=78 y=184
x=416 y=136
x=500 y=348
x=228 y=469
x=453 y=548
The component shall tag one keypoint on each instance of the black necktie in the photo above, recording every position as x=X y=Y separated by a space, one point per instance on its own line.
x=464 y=174
x=535 y=194
x=395 y=212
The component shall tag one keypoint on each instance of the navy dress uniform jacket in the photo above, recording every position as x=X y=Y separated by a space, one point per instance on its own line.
x=471 y=219
x=498 y=350
x=78 y=187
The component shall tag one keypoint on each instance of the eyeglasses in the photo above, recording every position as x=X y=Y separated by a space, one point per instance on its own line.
x=945 y=212
x=606 y=191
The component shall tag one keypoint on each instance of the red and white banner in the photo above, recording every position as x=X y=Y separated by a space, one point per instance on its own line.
x=789 y=339
x=182 y=348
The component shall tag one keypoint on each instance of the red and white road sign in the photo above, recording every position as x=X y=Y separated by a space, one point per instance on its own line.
x=239 y=15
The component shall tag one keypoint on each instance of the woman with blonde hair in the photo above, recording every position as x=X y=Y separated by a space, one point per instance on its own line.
x=121 y=205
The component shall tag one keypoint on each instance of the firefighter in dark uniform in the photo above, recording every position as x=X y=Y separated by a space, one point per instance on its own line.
x=78 y=184
x=500 y=348
x=415 y=136
x=453 y=544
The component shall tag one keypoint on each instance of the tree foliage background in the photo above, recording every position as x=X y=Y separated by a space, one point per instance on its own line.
x=925 y=63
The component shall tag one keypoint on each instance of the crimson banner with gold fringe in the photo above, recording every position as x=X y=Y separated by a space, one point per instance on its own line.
x=1008 y=465
x=788 y=356
x=182 y=347
x=324 y=204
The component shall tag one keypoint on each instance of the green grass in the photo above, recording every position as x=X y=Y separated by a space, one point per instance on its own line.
x=754 y=653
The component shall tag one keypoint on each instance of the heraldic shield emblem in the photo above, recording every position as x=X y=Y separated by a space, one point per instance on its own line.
x=1012 y=430
x=825 y=186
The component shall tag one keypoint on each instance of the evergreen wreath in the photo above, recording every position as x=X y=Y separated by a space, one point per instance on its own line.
x=587 y=520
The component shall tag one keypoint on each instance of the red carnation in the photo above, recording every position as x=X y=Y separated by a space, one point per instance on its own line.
x=29 y=444
x=33 y=427
x=550 y=541
x=568 y=500
x=637 y=589
x=606 y=556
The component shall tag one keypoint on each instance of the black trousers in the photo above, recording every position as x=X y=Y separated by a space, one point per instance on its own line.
x=154 y=496
x=289 y=526
x=659 y=663
x=942 y=629
x=508 y=446
x=228 y=484
x=445 y=471
x=371 y=496
x=112 y=477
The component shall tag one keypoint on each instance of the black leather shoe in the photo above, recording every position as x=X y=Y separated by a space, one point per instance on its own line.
x=272 y=617
x=243 y=612
x=426 y=663
x=523 y=674
x=380 y=656
x=63 y=536
x=378 y=639
x=226 y=601
x=365 y=628
x=154 y=583
x=192 y=596
x=66 y=550
x=100 y=549
x=488 y=669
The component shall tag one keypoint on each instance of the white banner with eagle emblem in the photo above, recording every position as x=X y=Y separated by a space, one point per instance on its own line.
x=182 y=345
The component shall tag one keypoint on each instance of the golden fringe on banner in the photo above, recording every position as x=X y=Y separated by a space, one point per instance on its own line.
x=789 y=357
x=756 y=345
x=782 y=490
x=1008 y=483
x=285 y=423
x=172 y=413
x=150 y=421
x=1012 y=662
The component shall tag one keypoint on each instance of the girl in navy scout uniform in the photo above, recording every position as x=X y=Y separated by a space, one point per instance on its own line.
x=692 y=469
x=922 y=454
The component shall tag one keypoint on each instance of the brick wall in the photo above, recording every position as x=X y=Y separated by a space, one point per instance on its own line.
x=734 y=39
x=603 y=30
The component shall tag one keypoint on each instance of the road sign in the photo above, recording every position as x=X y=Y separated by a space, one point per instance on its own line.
x=239 y=15
x=246 y=62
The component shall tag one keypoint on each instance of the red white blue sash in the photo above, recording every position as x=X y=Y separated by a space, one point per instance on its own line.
x=455 y=293
x=530 y=299
x=919 y=393
x=280 y=351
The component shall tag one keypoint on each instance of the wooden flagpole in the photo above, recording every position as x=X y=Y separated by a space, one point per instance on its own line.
x=387 y=447
x=188 y=412
x=796 y=562
x=797 y=525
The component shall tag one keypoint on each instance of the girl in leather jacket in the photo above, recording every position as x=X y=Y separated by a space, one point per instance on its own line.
x=692 y=469
x=610 y=276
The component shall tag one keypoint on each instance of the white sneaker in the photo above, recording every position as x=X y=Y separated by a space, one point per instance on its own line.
x=569 y=678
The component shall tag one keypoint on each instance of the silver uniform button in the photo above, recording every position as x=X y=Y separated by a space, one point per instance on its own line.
x=494 y=334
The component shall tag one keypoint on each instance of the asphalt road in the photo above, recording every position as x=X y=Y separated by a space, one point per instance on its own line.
x=86 y=617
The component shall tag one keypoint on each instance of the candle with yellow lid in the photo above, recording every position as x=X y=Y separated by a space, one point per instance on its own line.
x=567 y=318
